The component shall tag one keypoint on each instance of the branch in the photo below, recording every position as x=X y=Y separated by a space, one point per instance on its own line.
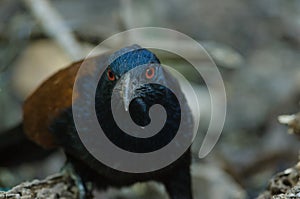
x=55 y=27
x=283 y=185
x=59 y=185
x=286 y=184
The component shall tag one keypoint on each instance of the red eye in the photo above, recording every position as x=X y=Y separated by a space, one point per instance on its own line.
x=110 y=75
x=150 y=73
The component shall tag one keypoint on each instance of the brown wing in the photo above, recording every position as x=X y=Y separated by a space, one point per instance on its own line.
x=48 y=100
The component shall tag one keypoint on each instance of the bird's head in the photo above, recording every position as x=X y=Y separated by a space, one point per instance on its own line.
x=127 y=76
x=133 y=82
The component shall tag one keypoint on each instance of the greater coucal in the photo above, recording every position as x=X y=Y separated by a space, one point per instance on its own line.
x=48 y=119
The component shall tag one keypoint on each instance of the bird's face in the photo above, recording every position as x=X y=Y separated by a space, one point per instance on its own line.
x=134 y=83
x=128 y=77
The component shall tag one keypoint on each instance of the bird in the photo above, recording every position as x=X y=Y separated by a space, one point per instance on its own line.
x=48 y=121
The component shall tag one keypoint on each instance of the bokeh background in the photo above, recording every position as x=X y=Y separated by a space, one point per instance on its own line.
x=255 y=44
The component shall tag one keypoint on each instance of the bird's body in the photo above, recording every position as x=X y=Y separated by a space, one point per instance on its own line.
x=48 y=119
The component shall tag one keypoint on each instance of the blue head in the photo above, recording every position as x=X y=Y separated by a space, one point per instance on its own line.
x=130 y=57
x=127 y=69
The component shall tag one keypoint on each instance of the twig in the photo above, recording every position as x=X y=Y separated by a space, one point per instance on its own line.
x=293 y=122
x=55 y=26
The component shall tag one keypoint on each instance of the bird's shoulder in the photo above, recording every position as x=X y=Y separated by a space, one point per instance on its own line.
x=48 y=101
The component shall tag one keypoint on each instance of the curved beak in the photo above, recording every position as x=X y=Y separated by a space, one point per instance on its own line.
x=128 y=87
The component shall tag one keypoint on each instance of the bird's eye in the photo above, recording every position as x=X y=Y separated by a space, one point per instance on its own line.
x=110 y=75
x=150 y=73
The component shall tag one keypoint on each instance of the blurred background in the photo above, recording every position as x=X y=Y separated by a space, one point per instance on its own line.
x=255 y=44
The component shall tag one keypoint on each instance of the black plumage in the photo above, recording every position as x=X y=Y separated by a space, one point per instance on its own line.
x=176 y=177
